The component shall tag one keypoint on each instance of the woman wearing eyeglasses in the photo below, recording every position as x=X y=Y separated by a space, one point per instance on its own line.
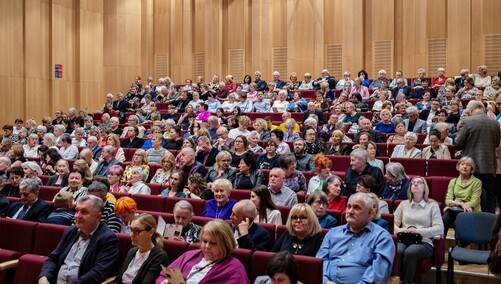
x=318 y=201
x=213 y=262
x=304 y=234
x=142 y=263
x=221 y=168
x=417 y=214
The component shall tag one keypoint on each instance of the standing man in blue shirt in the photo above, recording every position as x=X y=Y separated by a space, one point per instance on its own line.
x=360 y=251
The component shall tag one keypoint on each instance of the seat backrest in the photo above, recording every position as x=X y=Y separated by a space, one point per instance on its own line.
x=284 y=210
x=155 y=188
x=474 y=227
x=441 y=167
x=124 y=245
x=310 y=269
x=412 y=166
x=17 y=235
x=438 y=188
x=198 y=205
x=239 y=194
x=391 y=220
x=336 y=214
x=174 y=249
x=47 y=193
x=245 y=257
x=28 y=268
x=149 y=202
x=271 y=228
x=47 y=236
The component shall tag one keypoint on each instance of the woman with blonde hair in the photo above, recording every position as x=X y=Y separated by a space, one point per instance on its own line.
x=304 y=234
x=336 y=148
x=168 y=165
x=144 y=260
x=261 y=127
x=213 y=262
x=138 y=160
x=221 y=168
x=482 y=80
x=86 y=154
x=114 y=141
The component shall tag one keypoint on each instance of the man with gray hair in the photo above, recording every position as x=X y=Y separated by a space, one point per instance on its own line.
x=248 y=234
x=4 y=166
x=478 y=137
x=214 y=125
x=402 y=88
x=412 y=123
x=87 y=252
x=358 y=167
x=325 y=77
x=312 y=110
x=280 y=194
x=93 y=145
x=108 y=217
x=261 y=84
x=278 y=84
x=376 y=84
x=5 y=147
x=108 y=155
x=360 y=251
x=188 y=164
x=223 y=142
x=30 y=208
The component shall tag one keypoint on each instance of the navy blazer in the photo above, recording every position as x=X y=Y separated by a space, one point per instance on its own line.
x=96 y=152
x=38 y=212
x=257 y=239
x=98 y=262
x=211 y=160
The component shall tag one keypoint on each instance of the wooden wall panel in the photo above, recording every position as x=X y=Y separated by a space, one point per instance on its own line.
x=459 y=39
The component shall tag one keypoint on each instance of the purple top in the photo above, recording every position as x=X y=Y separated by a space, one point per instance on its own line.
x=203 y=116
x=221 y=212
x=229 y=270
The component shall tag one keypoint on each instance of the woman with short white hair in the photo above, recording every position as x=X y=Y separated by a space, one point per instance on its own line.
x=407 y=150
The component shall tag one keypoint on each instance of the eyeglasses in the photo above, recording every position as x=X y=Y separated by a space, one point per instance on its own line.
x=226 y=161
x=417 y=182
x=137 y=231
x=319 y=203
x=299 y=218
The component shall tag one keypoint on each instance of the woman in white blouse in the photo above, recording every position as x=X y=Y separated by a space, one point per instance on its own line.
x=136 y=183
x=267 y=210
x=280 y=104
x=142 y=263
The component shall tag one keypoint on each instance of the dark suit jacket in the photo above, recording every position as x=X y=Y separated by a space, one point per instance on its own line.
x=211 y=160
x=103 y=166
x=135 y=143
x=406 y=90
x=98 y=262
x=4 y=206
x=319 y=113
x=38 y=212
x=149 y=270
x=423 y=115
x=120 y=106
x=197 y=167
x=257 y=238
x=375 y=136
x=96 y=152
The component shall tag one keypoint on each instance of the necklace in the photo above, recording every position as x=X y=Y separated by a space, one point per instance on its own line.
x=200 y=269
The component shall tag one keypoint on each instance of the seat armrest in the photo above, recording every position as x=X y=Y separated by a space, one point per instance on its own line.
x=109 y=280
x=438 y=251
x=8 y=264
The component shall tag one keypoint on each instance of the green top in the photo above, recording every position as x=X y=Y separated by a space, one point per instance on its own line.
x=469 y=193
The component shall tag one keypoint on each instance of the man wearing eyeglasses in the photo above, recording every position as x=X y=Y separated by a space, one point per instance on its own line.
x=360 y=251
x=30 y=208
x=87 y=252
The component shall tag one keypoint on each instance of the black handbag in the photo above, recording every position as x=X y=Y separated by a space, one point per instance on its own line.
x=409 y=238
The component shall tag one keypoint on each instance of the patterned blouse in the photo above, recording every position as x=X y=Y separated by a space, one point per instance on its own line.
x=128 y=172
x=191 y=233
x=297 y=182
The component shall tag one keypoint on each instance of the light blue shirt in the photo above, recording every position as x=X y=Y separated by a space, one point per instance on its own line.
x=213 y=106
x=262 y=106
x=366 y=257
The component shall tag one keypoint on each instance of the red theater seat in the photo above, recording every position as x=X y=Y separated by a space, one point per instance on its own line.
x=415 y=167
x=149 y=202
x=28 y=268
x=48 y=192
x=440 y=167
x=198 y=205
x=47 y=237
x=174 y=249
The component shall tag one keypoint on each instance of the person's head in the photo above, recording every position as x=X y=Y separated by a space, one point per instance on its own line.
x=177 y=181
x=222 y=190
x=261 y=197
x=260 y=125
x=243 y=210
x=395 y=173
x=276 y=179
x=270 y=146
x=359 y=211
x=476 y=107
x=29 y=190
x=108 y=153
x=418 y=189
x=62 y=167
x=310 y=132
x=63 y=199
x=410 y=139
x=253 y=138
x=31 y=169
x=288 y=163
x=98 y=189
x=243 y=122
x=412 y=113
x=366 y=184
x=143 y=232
x=88 y=212
x=16 y=151
x=114 y=174
x=333 y=186
x=302 y=221
x=216 y=240
x=358 y=160
x=138 y=174
x=113 y=140
x=337 y=137
x=75 y=179
x=434 y=138
x=299 y=146
x=277 y=135
x=197 y=183
x=282 y=268
x=183 y=213
x=187 y=156
x=465 y=166
x=223 y=160
x=125 y=209
x=322 y=165
x=319 y=202
x=399 y=126
x=5 y=163
x=248 y=163
x=241 y=143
